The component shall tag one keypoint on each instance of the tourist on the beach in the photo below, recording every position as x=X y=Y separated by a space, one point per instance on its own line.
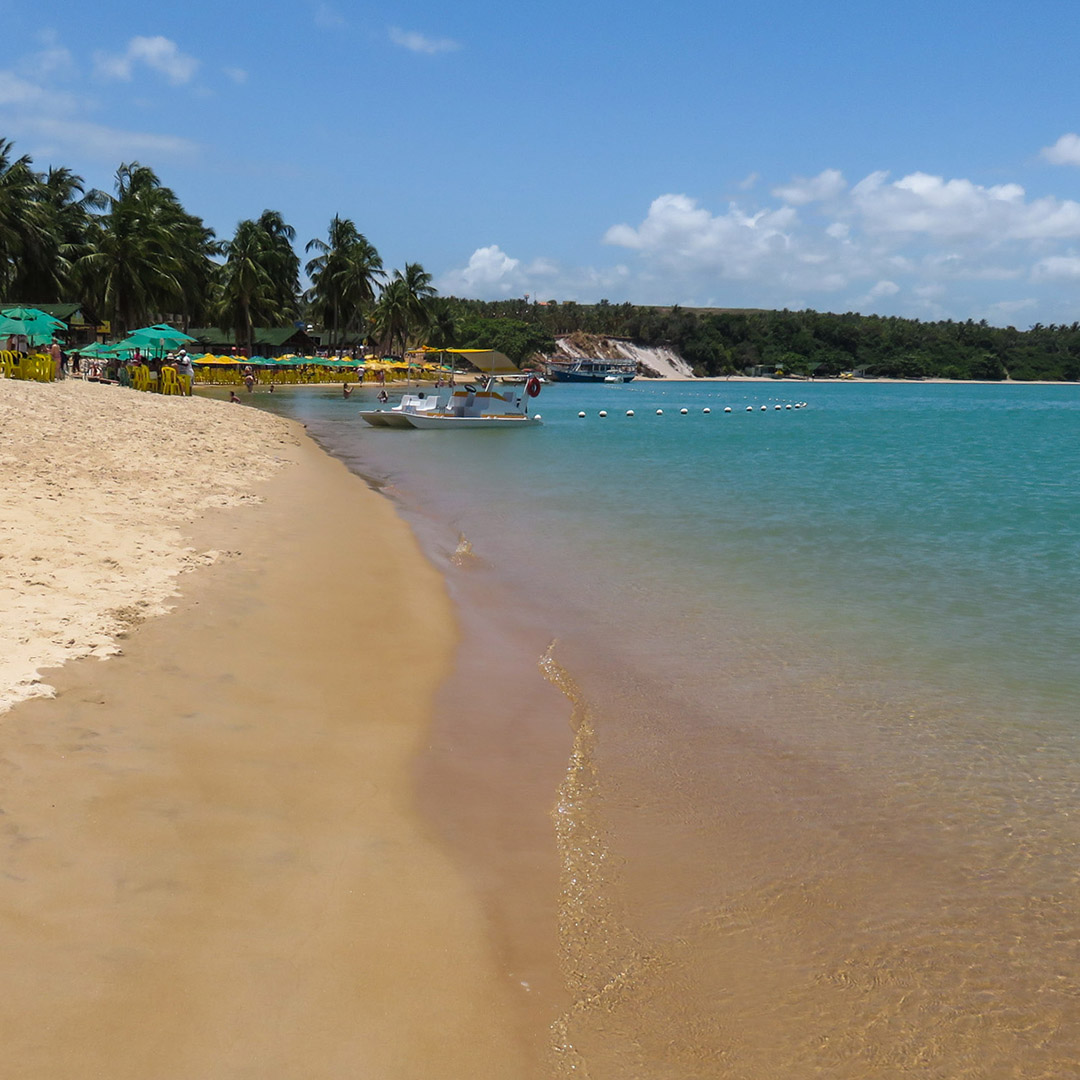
x=249 y=379
x=184 y=366
x=384 y=397
x=346 y=389
x=233 y=398
x=76 y=363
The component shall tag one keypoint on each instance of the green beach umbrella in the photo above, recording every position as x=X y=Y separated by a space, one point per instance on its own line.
x=32 y=323
x=32 y=314
x=96 y=349
x=161 y=338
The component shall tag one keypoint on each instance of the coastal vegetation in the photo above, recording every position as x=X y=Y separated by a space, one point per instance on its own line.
x=719 y=342
x=135 y=255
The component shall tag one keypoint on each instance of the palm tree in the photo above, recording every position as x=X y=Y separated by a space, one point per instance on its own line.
x=23 y=222
x=149 y=256
x=419 y=292
x=67 y=212
x=281 y=261
x=246 y=288
x=343 y=277
x=442 y=331
x=403 y=311
x=392 y=315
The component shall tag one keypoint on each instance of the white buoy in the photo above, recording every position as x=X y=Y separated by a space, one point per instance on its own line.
x=659 y=412
x=603 y=412
x=581 y=414
x=749 y=408
x=727 y=408
x=787 y=406
x=764 y=408
x=776 y=406
x=537 y=416
x=629 y=412
x=706 y=410
x=683 y=412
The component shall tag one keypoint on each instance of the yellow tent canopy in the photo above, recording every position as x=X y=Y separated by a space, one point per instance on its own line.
x=489 y=361
x=209 y=358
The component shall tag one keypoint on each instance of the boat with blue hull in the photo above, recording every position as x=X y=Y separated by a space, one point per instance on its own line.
x=584 y=369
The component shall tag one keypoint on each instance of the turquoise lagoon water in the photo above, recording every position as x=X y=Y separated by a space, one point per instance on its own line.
x=820 y=667
x=934 y=528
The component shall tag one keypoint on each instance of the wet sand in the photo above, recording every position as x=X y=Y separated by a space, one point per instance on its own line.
x=213 y=864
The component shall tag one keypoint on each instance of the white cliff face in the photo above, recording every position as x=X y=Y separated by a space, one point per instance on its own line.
x=664 y=362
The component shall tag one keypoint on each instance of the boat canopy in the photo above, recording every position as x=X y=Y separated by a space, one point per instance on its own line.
x=488 y=361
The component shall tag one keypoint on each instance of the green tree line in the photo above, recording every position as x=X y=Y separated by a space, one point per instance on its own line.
x=726 y=342
x=135 y=255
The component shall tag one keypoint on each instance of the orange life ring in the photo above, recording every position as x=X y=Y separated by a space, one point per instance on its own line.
x=532 y=387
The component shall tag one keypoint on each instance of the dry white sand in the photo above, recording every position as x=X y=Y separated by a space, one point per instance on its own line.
x=98 y=483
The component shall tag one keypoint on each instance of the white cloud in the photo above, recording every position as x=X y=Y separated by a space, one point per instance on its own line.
x=1008 y=308
x=107 y=143
x=156 y=53
x=491 y=274
x=236 y=75
x=920 y=203
x=1066 y=151
x=912 y=245
x=800 y=191
x=930 y=292
x=883 y=288
x=489 y=271
x=57 y=123
x=410 y=39
x=18 y=92
x=679 y=233
x=1057 y=268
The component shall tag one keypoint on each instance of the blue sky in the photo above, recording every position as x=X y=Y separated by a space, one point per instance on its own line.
x=916 y=158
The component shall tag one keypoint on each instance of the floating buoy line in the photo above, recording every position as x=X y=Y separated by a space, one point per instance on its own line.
x=708 y=411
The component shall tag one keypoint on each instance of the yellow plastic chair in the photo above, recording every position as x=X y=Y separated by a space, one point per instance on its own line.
x=168 y=381
x=40 y=368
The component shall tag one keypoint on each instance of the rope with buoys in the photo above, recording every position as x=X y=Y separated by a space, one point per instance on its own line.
x=532 y=387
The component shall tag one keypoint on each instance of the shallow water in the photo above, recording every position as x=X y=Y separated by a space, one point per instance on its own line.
x=810 y=725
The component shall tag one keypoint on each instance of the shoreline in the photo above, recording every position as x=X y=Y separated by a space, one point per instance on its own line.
x=647 y=381
x=215 y=858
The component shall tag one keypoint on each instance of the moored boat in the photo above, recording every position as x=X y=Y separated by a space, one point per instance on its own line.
x=480 y=407
x=397 y=415
x=583 y=369
x=486 y=406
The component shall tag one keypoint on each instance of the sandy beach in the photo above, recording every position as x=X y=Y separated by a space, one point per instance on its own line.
x=213 y=863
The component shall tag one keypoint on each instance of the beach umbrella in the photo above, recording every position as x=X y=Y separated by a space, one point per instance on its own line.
x=95 y=349
x=32 y=323
x=168 y=330
x=159 y=338
x=31 y=314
